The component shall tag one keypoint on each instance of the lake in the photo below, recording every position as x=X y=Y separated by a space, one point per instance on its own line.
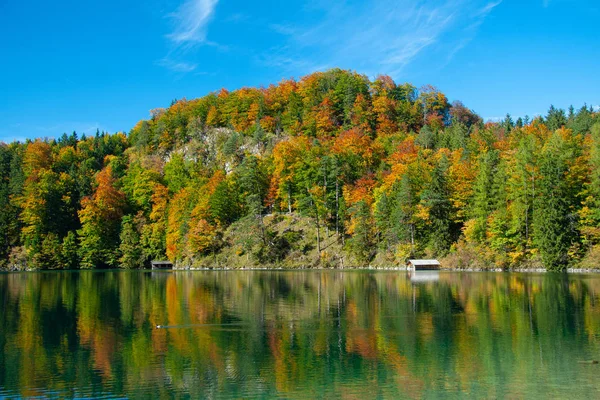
x=299 y=334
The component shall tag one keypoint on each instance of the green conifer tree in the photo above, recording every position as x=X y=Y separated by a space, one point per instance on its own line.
x=69 y=256
x=403 y=227
x=130 y=248
x=362 y=239
x=436 y=197
x=554 y=232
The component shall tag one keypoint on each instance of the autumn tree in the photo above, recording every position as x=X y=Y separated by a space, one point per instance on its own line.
x=460 y=114
x=100 y=223
x=153 y=234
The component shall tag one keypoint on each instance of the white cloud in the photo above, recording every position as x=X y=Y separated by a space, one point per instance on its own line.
x=190 y=23
x=470 y=31
x=489 y=7
x=191 y=20
x=177 y=66
x=380 y=36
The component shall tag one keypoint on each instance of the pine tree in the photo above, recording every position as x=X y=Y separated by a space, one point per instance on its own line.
x=483 y=195
x=253 y=183
x=69 y=257
x=362 y=239
x=403 y=227
x=5 y=158
x=520 y=123
x=382 y=221
x=554 y=231
x=556 y=118
x=582 y=121
x=436 y=198
x=499 y=236
x=130 y=249
x=523 y=176
x=458 y=136
x=49 y=255
x=590 y=212
x=508 y=123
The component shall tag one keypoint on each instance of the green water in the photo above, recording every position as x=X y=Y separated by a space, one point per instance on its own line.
x=302 y=334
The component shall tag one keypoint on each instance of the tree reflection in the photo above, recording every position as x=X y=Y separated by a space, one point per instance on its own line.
x=296 y=334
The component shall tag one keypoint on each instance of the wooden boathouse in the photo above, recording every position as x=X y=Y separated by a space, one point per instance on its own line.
x=423 y=265
x=162 y=264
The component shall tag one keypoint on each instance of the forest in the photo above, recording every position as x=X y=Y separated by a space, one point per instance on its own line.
x=330 y=170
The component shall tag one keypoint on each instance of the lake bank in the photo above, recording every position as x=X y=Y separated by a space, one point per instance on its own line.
x=329 y=268
x=380 y=268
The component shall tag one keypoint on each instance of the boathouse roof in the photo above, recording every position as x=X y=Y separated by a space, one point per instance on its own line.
x=417 y=263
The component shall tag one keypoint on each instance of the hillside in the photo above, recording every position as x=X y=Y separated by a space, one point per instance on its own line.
x=329 y=170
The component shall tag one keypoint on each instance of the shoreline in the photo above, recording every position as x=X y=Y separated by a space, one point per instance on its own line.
x=317 y=268
x=372 y=268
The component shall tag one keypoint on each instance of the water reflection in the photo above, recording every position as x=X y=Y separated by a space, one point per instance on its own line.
x=298 y=334
x=426 y=276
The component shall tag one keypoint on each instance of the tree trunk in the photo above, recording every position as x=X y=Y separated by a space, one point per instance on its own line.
x=337 y=208
x=318 y=233
x=325 y=199
x=314 y=204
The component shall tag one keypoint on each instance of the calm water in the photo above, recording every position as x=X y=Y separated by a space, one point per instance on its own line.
x=355 y=334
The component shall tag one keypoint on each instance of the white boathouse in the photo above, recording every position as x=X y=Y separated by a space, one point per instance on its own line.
x=418 y=265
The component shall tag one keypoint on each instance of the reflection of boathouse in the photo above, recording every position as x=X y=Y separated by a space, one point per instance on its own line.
x=424 y=276
x=418 y=265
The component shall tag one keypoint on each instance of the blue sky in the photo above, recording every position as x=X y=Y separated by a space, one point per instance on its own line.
x=78 y=65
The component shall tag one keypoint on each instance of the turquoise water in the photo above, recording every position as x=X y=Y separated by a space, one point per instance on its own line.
x=300 y=334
